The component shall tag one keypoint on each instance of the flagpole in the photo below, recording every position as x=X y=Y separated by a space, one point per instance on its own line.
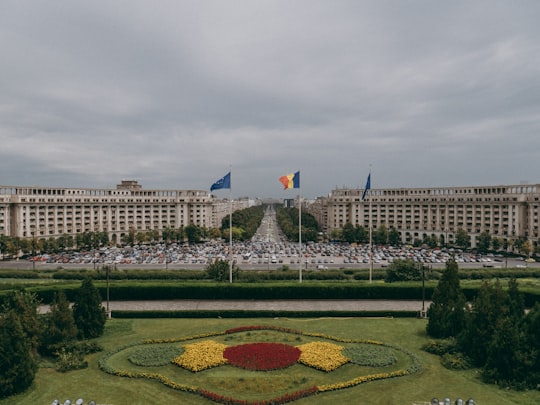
x=370 y=234
x=230 y=227
x=370 y=245
x=300 y=234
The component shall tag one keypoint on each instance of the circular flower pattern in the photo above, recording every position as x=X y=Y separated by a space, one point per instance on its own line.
x=262 y=356
x=317 y=351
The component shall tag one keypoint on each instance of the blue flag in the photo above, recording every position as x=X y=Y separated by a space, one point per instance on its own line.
x=224 y=182
x=368 y=186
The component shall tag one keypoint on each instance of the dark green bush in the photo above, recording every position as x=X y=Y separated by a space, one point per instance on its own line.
x=455 y=361
x=440 y=347
x=69 y=360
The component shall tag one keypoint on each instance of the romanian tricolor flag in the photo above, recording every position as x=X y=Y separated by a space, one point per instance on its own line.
x=290 y=180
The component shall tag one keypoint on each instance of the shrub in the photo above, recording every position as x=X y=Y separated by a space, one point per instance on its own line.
x=403 y=270
x=455 y=361
x=440 y=347
x=69 y=360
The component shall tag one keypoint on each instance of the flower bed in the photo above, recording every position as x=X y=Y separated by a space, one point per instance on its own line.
x=201 y=356
x=322 y=353
x=154 y=356
x=370 y=355
x=262 y=356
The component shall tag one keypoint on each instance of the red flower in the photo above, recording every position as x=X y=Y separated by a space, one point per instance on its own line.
x=262 y=356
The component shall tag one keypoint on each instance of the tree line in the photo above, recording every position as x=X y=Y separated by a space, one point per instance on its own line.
x=360 y=234
x=493 y=332
x=26 y=336
x=287 y=219
x=245 y=223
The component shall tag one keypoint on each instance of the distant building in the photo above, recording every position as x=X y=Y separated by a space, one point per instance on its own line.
x=43 y=212
x=509 y=211
x=289 y=203
x=222 y=208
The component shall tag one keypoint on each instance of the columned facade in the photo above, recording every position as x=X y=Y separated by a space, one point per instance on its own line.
x=508 y=212
x=43 y=212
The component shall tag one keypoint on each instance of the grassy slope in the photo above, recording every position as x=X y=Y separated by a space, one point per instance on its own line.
x=433 y=380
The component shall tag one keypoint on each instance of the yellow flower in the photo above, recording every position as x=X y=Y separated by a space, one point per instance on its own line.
x=202 y=355
x=322 y=355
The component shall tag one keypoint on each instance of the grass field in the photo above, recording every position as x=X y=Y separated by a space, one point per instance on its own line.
x=409 y=334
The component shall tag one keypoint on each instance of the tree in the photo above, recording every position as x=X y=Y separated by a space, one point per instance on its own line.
x=248 y=220
x=336 y=234
x=65 y=242
x=394 y=237
x=17 y=365
x=527 y=248
x=380 y=236
x=446 y=314
x=507 y=358
x=442 y=240
x=483 y=321
x=25 y=305
x=3 y=244
x=503 y=363
x=60 y=329
x=496 y=244
x=431 y=241
x=237 y=233
x=362 y=234
x=531 y=355
x=483 y=242
x=219 y=270
x=349 y=233
x=215 y=233
x=519 y=245
x=193 y=234
x=463 y=239
x=516 y=302
x=88 y=313
x=129 y=238
x=403 y=270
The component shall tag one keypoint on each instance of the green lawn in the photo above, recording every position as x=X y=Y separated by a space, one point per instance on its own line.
x=409 y=334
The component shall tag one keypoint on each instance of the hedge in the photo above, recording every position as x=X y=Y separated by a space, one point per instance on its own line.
x=139 y=290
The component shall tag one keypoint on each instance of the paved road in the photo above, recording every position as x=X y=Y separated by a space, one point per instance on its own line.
x=268 y=305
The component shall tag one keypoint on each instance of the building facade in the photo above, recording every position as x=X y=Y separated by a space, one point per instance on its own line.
x=222 y=208
x=509 y=212
x=43 y=212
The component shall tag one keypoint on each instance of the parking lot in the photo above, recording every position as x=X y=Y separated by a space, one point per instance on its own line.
x=267 y=250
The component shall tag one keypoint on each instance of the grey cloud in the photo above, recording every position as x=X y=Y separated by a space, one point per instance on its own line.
x=173 y=93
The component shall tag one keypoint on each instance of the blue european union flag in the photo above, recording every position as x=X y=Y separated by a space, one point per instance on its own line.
x=368 y=186
x=224 y=182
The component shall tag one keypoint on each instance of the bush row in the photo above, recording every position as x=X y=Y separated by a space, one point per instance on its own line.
x=257 y=275
x=133 y=290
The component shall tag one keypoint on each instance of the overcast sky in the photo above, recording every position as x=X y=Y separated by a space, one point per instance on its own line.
x=173 y=93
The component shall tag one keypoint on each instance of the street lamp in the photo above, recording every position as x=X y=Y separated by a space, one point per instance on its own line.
x=423 y=291
x=107 y=269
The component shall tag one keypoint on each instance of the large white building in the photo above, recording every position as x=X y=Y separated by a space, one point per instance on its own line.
x=508 y=211
x=43 y=212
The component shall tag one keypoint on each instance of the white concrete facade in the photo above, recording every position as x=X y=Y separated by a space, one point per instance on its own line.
x=506 y=211
x=43 y=212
